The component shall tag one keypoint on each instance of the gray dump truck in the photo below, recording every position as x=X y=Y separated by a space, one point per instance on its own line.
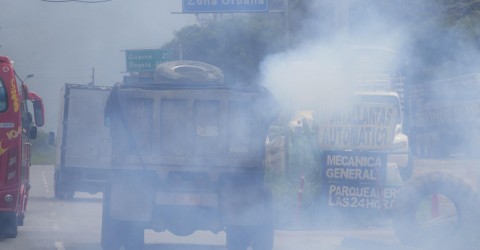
x=187 y=154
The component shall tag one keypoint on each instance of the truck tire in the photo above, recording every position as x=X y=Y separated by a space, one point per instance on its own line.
x=407 y=226
x=188 y=71
x=238 y=237
x=263 y=234
x=63 y=195
x=259 y=237
x=111 y=234
x=135 y=238
x=10 y=225
x=117 y=233
x=60 y=189
x=263 y=237
x=20 y=219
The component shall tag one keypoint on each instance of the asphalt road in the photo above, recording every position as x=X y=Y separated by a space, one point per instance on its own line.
x=76 y=224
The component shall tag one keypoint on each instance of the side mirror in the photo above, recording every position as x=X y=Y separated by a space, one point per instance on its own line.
x=51 y=138
x=38 y=109
x=39 y=113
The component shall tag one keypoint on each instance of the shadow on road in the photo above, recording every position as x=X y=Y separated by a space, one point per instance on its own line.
x=82 y=200
x=154 y=247
x=370 y=244
x=182 y=247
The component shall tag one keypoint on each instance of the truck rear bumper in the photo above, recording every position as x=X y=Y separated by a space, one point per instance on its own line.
x=184 y=220
x=235 y=199
x=186 y=199
x=79 y=179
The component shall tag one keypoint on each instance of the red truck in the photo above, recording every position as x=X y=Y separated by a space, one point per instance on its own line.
x=17 y=128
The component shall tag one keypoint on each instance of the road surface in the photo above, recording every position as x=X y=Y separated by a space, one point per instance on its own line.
x=76 y=224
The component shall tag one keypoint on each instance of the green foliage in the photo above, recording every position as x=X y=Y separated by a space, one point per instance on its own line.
x=294 y=197
x=440 y=34
x=296 y=188
x=443 y=34
x=42 y=151
x=233 y=44
x=238 y=43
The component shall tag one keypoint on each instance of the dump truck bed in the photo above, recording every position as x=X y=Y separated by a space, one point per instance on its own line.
x=188 y=125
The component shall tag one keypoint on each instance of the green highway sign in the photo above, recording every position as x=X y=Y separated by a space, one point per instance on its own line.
x=146 y=59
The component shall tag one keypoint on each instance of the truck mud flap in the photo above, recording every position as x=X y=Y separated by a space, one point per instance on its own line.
x=117 y=233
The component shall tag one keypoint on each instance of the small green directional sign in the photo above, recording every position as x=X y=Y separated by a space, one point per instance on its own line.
x=146 y=59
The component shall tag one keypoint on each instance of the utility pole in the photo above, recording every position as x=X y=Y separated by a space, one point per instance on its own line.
x=180 y=51
x=93 y=77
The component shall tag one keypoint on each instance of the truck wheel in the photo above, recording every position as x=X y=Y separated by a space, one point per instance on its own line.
x=117 y=233
x=241 y=237
x=238 y=237
x=263 y=238
x=9 y=225
x=259 y=237
x=417 y=219
x=135 y=238
x=64 y=196
x=20 y=219
x=60 y=189
x=112 y=233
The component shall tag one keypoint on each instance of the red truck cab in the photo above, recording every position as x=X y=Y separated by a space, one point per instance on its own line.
x=17 y=128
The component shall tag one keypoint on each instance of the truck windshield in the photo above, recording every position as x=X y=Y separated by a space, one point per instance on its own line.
x=3 y=97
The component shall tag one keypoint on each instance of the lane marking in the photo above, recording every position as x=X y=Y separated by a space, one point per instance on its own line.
x=45 y=182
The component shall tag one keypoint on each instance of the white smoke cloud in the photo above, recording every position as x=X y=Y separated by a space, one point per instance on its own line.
x=321 y=72
x=61 y=42
x=305 y=75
